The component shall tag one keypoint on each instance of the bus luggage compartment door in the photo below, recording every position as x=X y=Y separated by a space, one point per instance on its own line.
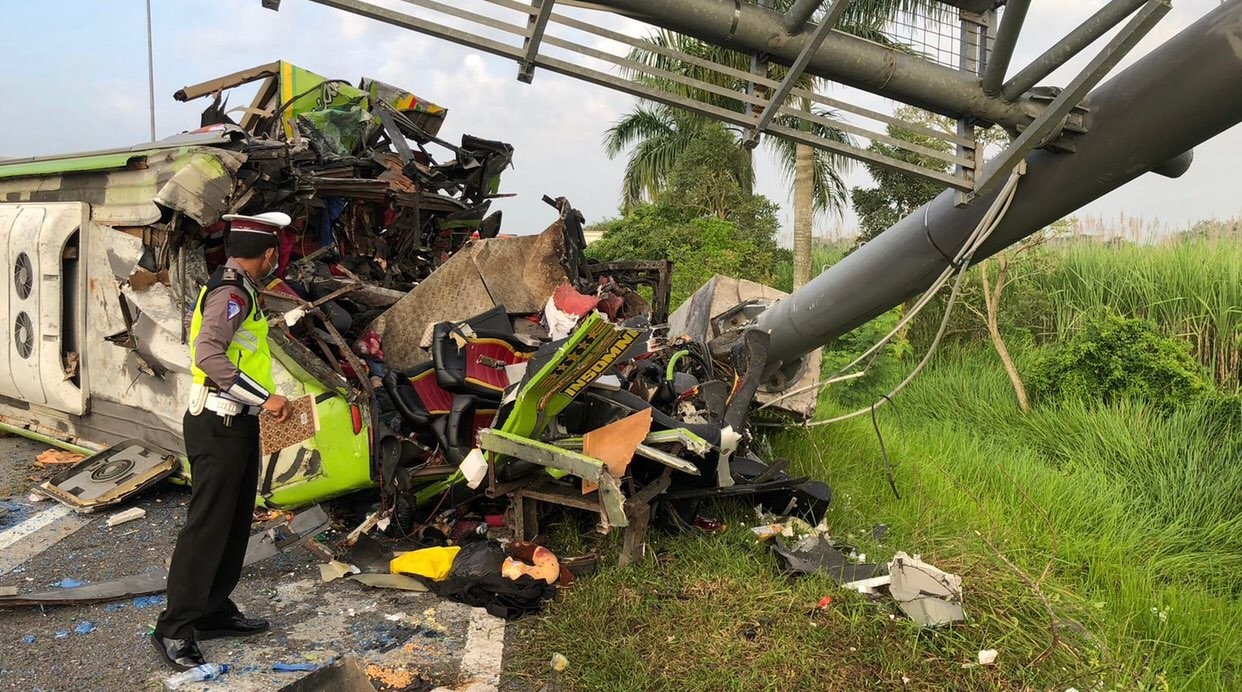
x=41 y=304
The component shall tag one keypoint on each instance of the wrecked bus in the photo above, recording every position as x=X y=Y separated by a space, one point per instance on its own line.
x=107 y=251
x=96 y=344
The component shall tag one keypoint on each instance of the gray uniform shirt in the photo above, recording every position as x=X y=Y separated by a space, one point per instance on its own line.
x=224 y=310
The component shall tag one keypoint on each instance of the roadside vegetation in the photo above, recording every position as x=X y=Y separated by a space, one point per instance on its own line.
x=1099 y=535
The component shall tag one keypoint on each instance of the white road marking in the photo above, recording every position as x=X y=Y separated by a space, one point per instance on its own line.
x=33 y=523
x=36 y=534
x=484 y=652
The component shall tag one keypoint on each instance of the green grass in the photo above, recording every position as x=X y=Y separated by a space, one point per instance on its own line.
x=1136 y=516
x=715 y=613
x=1138 y=512
x=1189 y=286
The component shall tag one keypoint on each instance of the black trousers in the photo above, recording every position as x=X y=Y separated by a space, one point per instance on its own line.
x=207 y=562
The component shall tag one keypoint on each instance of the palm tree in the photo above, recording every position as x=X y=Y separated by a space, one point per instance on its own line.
x=659 y=133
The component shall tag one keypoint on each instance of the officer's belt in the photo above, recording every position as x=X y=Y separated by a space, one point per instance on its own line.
x=224 y=406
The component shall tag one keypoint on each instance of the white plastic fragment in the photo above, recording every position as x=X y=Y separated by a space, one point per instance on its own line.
x=128 y=515
x=868 y=587
x=515 y=372
x=294 y=316
x=474 y=468
x=987 y=657
x=610 y=383
x=928 y=595
x=560 y=323
x=729 y=440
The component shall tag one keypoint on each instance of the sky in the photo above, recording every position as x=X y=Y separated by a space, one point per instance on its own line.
x=75 y=76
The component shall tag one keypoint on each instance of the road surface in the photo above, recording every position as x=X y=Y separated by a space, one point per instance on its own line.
x=407 y=640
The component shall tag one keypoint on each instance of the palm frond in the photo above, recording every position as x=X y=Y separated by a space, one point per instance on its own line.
x=651 y=162
x=640 y=124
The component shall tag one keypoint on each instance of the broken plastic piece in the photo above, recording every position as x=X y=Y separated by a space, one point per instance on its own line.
x=565 y=308
x=868 y=587
x=988 y=656
x=474 y=468
x=615 y=444
x=928 y=595
x=295 y=667
x=128 y=515
x=109 y=477
x=335 y=569
x=388 y=581
x=85 y=627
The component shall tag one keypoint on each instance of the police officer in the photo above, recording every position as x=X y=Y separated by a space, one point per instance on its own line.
x=232 y=368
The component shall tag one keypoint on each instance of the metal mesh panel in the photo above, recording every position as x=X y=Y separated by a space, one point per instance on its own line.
x=937 y=39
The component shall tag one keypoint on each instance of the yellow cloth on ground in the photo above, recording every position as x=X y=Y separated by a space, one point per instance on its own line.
x=432 y=563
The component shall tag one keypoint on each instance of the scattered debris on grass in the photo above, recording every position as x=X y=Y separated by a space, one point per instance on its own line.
x=925 y=593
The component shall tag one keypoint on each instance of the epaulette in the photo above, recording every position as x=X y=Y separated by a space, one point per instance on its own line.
x=226 y=276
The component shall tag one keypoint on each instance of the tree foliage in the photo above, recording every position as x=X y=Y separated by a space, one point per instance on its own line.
x=706 y=221
x=897 y=194
x=1115 y=358
x=655 y=134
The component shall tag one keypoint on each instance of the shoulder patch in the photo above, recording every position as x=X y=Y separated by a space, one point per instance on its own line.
x=234 y=306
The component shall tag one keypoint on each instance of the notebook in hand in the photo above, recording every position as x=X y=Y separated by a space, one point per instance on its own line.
x=301 y=425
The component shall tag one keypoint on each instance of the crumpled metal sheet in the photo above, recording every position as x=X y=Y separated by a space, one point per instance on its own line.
x=720 y=294
x=158 y=329
x=202 y=187
x=519 y=273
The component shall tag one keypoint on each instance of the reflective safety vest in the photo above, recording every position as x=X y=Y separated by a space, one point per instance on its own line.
x=248 y=350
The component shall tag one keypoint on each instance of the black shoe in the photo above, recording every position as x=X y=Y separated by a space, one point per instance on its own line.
x=230 y=626
x=182 y=654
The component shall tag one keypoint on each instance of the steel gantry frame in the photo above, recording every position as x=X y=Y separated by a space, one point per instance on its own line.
x=808 y=40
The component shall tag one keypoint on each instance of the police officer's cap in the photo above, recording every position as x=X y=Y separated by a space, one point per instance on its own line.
x=268 y=222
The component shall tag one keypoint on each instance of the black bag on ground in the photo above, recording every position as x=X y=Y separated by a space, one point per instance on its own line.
x=475 y=580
